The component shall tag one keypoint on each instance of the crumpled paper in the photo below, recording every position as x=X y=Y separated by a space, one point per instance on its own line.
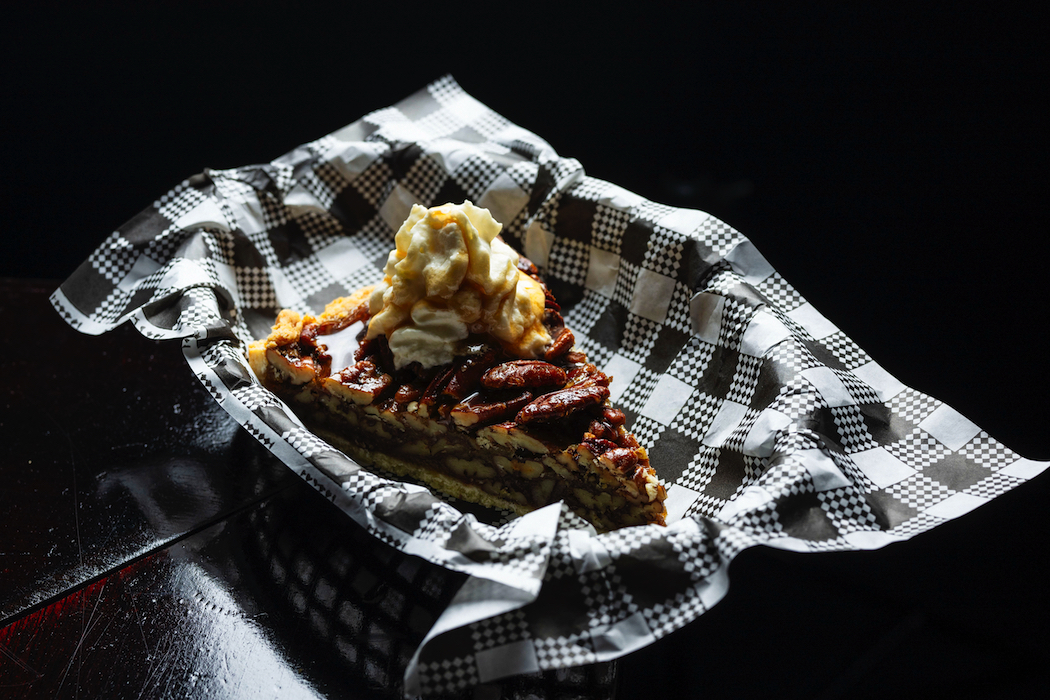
x=766 y=422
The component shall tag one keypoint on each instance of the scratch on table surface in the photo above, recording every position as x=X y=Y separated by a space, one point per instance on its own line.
x=142 y=630
x=129 y=444
x=76 y=498
x=21 y=664
x=85 y=629
x=158 y=663
x=76 y=491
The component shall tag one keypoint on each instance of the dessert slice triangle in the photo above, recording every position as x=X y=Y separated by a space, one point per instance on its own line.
x=457 y=370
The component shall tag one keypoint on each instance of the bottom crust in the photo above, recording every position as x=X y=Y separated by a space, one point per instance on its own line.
x=399 y=467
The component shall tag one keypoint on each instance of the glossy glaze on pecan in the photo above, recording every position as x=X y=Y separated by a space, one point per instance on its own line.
x=560 y=396
x=476 y=411
x=366 y=378
x=622 y=458
x=528 y=374
x=467 y=376
x=562 y=403
x=562 y=344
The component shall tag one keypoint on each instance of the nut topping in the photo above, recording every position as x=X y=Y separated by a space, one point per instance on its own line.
x=599 y=446
x=333 y=325
x=614 y=416
x=622 y=458
x=467 y=376
x=575 y=357
x=364 y=381
x=601 y=429
x=406 y=393
x=562 y=344
x=564 y=402
x=376 y=348
x=437 y=385
x=474 y=412
x=588 y=375
x=527 y=374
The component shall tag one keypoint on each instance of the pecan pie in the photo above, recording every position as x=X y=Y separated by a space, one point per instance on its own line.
x=489 y=426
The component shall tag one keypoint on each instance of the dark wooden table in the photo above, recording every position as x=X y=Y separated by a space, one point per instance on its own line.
x=151 y=548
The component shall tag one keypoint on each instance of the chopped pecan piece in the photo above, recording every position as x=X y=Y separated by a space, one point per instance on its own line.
x=309 y=353
x=528 y=374
x=613 y=416
x=564 y=402
x=599 y=446
x=364 y=381
x=600 y=429
x=309 y=333
x=622 y=458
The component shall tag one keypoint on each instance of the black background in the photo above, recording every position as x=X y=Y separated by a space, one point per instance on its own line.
x=889 y=160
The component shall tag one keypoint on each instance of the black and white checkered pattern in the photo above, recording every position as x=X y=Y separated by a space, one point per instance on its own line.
x=848 y=509
x=569 y=260
x=564 y=651
x=919 y=491
x=918 y=448
x=986 y=452
x=448 y=675
x=772 y=426
x=500 y=630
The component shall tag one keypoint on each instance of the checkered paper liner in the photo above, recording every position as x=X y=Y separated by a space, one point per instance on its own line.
x=767 y=423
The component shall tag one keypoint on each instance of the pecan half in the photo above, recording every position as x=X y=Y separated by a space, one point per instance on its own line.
x=378 y=349
x=562 y=344
x=575 y=357
x=587 y=375
x=528 y=374
x=549 y=302
x=437 y=385
x=411 y=381
x=475 y=412
x=564 y=402
x=467 y=375
x=359 y=313
x=406 y=393
x=527 y=266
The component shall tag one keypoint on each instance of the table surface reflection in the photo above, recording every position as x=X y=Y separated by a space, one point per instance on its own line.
x=152 y=548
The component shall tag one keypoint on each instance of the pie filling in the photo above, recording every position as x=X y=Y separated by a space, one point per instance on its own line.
x=488 y=428
x=457 y=370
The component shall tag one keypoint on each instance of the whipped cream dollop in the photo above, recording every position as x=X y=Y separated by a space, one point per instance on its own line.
x=448 y=277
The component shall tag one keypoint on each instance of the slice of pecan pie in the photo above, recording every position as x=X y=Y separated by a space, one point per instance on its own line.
x=488 y=425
